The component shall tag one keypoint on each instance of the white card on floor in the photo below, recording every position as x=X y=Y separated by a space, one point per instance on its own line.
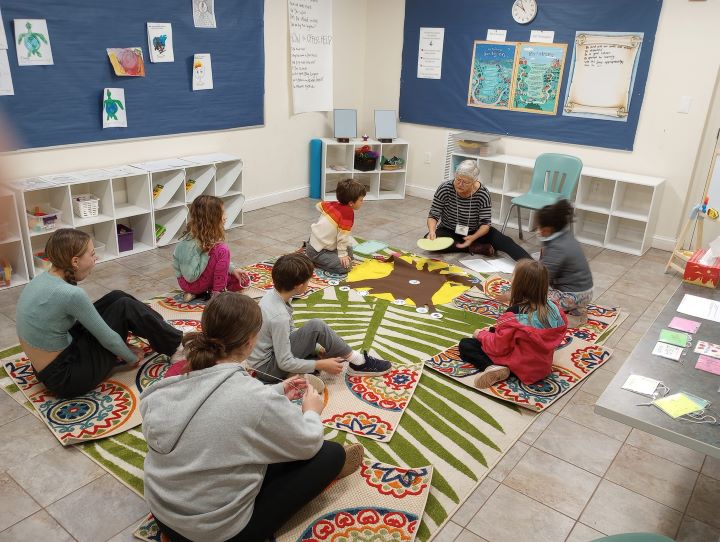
x=700 y=307
x=641 y=384
x=669 y=351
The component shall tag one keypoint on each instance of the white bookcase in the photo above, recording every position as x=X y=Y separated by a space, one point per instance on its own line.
x=138 y=196
x=12 y=246
x=614 y=209
x=338 y=161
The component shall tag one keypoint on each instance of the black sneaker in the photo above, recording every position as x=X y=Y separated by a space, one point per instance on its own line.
x=371 y=367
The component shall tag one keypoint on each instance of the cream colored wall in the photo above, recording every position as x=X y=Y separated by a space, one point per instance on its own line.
x=275 y=155
x=684 y=62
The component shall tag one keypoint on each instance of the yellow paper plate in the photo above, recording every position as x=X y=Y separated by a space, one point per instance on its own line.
x=439 y=243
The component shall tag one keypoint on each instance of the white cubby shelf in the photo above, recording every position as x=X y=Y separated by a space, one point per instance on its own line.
x=613 y=209
x=126 y=198
x=338 y=163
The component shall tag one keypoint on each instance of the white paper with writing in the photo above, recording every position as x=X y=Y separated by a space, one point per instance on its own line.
x=542 y=36
x=430 y=53
x=700 y=307
x=496 y=34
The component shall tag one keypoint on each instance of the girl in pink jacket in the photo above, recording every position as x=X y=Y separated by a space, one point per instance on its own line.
x=524 y=338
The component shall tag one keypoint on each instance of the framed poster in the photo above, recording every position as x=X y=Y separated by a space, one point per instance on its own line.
x=537 y=78
x=491 y=74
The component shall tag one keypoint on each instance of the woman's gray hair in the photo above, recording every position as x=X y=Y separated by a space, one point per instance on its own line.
x=468 y=168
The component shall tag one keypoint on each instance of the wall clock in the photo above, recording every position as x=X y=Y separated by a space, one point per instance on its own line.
x=524 y=11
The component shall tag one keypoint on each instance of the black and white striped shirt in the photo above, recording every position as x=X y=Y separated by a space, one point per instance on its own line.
x=449 y=209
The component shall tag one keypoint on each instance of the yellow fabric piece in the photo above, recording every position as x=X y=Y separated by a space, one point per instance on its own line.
x=375 y=269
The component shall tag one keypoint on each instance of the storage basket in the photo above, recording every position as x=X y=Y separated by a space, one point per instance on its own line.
x=365 y=164
x=125 y=238
x=86 y=205
x=43 y=217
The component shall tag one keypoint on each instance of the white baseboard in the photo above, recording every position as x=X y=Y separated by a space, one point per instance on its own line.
x=420 y=191
x=663 y=243
x=258 y=202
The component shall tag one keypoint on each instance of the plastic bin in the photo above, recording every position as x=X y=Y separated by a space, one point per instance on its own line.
x=86 y=205
x=43 y=218
x=125 y=238
x=41 y=261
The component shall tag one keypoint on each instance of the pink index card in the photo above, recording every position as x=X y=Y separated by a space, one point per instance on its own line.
x=683 y=324
x=706 y=363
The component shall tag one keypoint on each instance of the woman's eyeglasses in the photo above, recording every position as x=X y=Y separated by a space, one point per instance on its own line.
x=463 y=182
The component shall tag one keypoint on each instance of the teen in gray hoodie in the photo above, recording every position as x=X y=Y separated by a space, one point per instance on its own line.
x=229 y=458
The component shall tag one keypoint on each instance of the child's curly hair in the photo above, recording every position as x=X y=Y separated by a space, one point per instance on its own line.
x=205 y=222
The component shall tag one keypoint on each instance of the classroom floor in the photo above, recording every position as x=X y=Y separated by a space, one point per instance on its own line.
x=573 y=475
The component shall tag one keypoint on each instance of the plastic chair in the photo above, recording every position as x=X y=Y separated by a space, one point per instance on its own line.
x=635 y=537
x=555 y=177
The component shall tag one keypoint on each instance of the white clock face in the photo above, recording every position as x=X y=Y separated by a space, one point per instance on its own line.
x=524 y=11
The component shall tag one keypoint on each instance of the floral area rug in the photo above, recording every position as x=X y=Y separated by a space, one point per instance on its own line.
x=378 y=502
x=109 y=409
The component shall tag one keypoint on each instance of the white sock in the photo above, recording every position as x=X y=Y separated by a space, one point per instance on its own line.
x=356 y=358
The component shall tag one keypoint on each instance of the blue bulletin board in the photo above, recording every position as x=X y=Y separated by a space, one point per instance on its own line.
x=444 y=102
x=61 y=104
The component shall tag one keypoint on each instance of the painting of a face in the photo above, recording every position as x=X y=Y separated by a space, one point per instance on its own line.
x=199 y=70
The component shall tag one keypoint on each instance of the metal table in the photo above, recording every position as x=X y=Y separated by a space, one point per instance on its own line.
x=621 y=405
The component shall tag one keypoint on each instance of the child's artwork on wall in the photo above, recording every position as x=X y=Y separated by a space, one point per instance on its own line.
x=491 y=74
x=114 y=114
x=160 y=42
x=602 y=75
x=33 y=42
x=204 y=13
x=202 y=72
x=6 y=84
x=127 y=61
x=3 y=36
x=537 y=78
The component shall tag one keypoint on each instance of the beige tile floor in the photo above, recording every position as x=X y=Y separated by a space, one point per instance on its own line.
x=573 y=475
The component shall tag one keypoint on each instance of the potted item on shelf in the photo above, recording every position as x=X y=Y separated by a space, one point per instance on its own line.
x=156 y=191
x=365 y=158
x=5 y=272
x=86 y=205
x=189 y=184
x=125 y=238
x=159 y=231
x=43 y=217
x=391 y=164
x=41 y=261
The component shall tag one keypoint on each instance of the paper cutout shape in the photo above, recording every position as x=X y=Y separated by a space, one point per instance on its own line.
x=708 y=364
x=369 y=247
x=683 y=324
x=160 y=42
x=202 y=72
x=3 y=36
x=708 y=349
x=6 y=84
x=677 y=404
x=127 y=61
x=114 y=114
x=204 y=14
x=439 y=243
x=33 y=42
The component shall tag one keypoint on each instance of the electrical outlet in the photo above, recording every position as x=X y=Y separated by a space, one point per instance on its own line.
x=427 y=157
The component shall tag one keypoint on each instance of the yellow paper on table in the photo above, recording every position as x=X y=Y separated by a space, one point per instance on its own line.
x=677 y=404
x=439 y=243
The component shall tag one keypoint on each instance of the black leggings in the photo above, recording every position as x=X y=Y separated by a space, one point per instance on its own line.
x=498 y=240
x=85 y=362
x=286 y=488
x=471 y=351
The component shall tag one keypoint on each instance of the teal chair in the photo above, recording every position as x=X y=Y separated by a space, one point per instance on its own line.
x=555 y=177
x=635 y=537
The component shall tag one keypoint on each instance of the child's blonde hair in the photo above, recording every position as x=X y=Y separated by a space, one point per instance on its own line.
x=230 y=320
x=205 y=222
x=529 y=289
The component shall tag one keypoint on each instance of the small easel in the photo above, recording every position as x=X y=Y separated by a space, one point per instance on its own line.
x=680 y=256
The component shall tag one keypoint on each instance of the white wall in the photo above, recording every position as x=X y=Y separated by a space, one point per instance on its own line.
x=684 y=62
x=276 y=155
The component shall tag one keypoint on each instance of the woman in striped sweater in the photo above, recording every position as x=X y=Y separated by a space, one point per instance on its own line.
x=461 y=210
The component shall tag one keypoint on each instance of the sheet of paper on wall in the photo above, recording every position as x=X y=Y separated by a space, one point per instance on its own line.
x=496 y=34
x=114 y=112
x=6 y=84
x=542 y=36
x=202 y=72
x=3 y=36
x=127 y=61
x=204 y=13
x=33 y=42
x=700 y=307
x=160 y=42
x=430 y=53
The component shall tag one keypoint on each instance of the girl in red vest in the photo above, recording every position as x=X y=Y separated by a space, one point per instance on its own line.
x=524 y=338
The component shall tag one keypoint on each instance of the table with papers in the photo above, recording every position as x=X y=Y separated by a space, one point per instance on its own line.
x=689 y=302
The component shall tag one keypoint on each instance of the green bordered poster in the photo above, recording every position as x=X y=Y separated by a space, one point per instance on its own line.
x=491 y=74
x=537 y=77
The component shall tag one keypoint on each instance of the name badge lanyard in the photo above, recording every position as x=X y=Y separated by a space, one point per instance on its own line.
x=458 y=225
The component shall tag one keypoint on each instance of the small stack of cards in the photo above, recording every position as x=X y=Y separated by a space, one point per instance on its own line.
x=671 y=344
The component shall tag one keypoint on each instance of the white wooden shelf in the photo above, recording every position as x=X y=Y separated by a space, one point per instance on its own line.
x=126 y=198
x=380 y=184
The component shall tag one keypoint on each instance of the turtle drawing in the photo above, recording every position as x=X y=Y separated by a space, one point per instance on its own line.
x=159 y=43
x=111 y=106
x=31 y=40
